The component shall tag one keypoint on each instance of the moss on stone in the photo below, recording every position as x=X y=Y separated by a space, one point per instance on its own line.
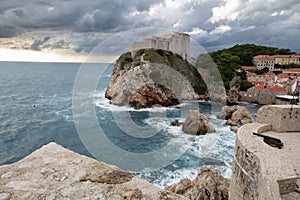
x=164 y=57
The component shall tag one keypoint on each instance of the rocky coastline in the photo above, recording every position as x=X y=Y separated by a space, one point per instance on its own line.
x=53 y=172
x=236 y=116
x=150 y=77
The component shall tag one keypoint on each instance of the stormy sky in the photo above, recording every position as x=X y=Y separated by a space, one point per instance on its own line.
x=78 y=26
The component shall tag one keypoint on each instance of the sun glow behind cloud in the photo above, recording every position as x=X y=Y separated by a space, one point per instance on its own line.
x=38 y=56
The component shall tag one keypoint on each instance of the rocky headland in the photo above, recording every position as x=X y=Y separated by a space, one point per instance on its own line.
x=154 y=77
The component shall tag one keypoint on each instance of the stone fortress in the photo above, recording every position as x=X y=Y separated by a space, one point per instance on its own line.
x=176 y=42
x=266 y=163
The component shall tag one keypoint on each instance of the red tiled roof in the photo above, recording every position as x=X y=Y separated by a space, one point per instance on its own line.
x=257 y=82
x=264 y=57
x=261 y=56
x=282 y=76
x=271 y=73
x=287 y=56
x=277 y=89
x=247 y=68
x=251 y=74
x=281 y=56
x=261 y=87
x=292 y=70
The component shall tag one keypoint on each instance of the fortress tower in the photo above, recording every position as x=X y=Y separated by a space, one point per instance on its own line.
x=266 y=164
x=176 y=42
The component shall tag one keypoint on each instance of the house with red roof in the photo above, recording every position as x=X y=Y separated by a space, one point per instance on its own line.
x=249 y=68
x=262 y=61
x=287 y=59
x=263 y=94
x=292 y=72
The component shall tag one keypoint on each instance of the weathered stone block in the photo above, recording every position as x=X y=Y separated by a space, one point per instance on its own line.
x=283 y=118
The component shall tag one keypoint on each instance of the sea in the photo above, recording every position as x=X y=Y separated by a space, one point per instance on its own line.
x=38 y=106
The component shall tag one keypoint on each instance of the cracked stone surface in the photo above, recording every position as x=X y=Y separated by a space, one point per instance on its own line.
x=53 y=172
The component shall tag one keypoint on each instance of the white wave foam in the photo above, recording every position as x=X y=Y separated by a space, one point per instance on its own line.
x=217 y=145
x=102 y=102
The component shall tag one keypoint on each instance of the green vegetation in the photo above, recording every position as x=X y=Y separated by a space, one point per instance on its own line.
x=124 y=59
x=262 y=71
x=155 y=75
x=244 y=53
x=166 y=58
x=178 y=63
x=277 y=72
x=230 y=60
x=245 y=85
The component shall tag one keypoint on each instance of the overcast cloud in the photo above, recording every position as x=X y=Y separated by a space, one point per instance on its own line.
x=78 y=26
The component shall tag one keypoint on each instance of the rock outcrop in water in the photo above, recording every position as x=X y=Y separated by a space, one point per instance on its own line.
x=197 y=124
x=236 y=116
x=54 y=172
x=151 y=77
x=209 y=184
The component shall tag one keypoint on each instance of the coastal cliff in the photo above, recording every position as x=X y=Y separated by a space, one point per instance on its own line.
x=150 y=77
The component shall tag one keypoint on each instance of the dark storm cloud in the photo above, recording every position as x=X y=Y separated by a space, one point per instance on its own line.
x=76 y=15
x=213 y=23
x=37 y=43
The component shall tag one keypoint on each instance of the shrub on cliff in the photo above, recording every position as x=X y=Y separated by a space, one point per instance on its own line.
x=164 y=57
x=149 y=77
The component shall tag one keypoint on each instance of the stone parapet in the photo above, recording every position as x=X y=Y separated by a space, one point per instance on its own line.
x=261 y=171
x=176 y=42
x=284 y=118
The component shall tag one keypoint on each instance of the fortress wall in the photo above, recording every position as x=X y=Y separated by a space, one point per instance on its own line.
x=143 y=44
x=247 y=180
x=245 y=168
x=178 y=43
x=181 y=44
x=260 y=171
x=162 y=44
x=282 y=117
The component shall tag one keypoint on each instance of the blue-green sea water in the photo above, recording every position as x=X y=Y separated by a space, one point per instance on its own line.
x=36 y=108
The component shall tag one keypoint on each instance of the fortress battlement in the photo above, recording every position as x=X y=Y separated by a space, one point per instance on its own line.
x=176 y=42
x=266 y=161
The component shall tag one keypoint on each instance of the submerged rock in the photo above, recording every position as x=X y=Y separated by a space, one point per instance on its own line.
x=236 y=116
x=153 y=78
x=176 y=123
x=209 y=185
x=233 y=96
x=197 y=124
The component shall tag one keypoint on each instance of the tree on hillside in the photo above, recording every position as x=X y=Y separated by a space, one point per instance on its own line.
x=262 y=71
x=231 y=59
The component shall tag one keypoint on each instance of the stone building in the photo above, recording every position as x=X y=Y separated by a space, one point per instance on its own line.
x=292 y=72
x=267 y=166
x=266 y=97
x=262 y=94
x=176 y=42
x=252 y=95
x=262 y=61
x=287 y=59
